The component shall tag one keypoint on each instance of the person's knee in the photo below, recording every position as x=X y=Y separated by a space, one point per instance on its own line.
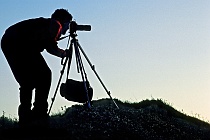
x=45 y=76
x=26 y=96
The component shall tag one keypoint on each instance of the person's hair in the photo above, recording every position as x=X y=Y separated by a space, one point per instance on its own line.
x=61 y=15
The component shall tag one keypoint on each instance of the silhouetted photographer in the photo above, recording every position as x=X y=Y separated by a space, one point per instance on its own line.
x=22 y=45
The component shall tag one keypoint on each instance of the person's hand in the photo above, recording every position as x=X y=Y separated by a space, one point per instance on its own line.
x=66 y=53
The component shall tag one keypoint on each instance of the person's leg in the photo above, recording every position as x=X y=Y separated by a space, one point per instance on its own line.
x=24 y=109
x=30 y=71
x=42 y=80
x=21 y=69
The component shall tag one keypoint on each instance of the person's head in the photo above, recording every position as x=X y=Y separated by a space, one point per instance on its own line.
x=62 y=15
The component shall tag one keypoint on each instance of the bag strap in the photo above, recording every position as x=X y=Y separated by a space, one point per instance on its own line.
x=78 y=59
x=69 y=62
x=80 y=64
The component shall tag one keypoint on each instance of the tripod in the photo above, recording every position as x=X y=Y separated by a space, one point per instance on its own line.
x=74 y=43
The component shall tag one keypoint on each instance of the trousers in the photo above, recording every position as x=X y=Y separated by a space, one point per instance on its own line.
x=32 y=73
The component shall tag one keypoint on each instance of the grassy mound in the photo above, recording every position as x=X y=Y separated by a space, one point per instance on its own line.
x=147 y=120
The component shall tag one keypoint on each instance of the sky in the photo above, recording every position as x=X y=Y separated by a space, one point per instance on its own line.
x=141 y=49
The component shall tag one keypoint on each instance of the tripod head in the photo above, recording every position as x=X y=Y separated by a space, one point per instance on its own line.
x=73 y=27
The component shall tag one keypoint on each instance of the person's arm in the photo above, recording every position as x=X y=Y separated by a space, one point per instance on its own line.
x=57 y=52
x=55 y=31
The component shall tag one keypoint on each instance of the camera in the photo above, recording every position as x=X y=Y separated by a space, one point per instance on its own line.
x=73 y=27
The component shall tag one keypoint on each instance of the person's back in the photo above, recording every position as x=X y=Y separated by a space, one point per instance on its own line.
x=38 y=32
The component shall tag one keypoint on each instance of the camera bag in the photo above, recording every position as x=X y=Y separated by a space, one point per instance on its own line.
x=75 y=91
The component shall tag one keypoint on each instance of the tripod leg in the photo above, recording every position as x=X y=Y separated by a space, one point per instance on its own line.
x=62 y=71
x=53 y=99
x=93 y=68
x=81 y=68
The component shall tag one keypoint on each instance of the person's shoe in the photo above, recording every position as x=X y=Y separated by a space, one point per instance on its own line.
x=40 y=120
x=25 y=117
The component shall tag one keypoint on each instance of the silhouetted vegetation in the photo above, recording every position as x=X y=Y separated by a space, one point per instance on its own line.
x=146 y=120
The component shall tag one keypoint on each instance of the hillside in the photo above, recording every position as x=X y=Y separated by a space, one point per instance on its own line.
x=146 y=120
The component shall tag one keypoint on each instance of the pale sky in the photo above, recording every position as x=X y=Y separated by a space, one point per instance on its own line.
x=142 y=49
